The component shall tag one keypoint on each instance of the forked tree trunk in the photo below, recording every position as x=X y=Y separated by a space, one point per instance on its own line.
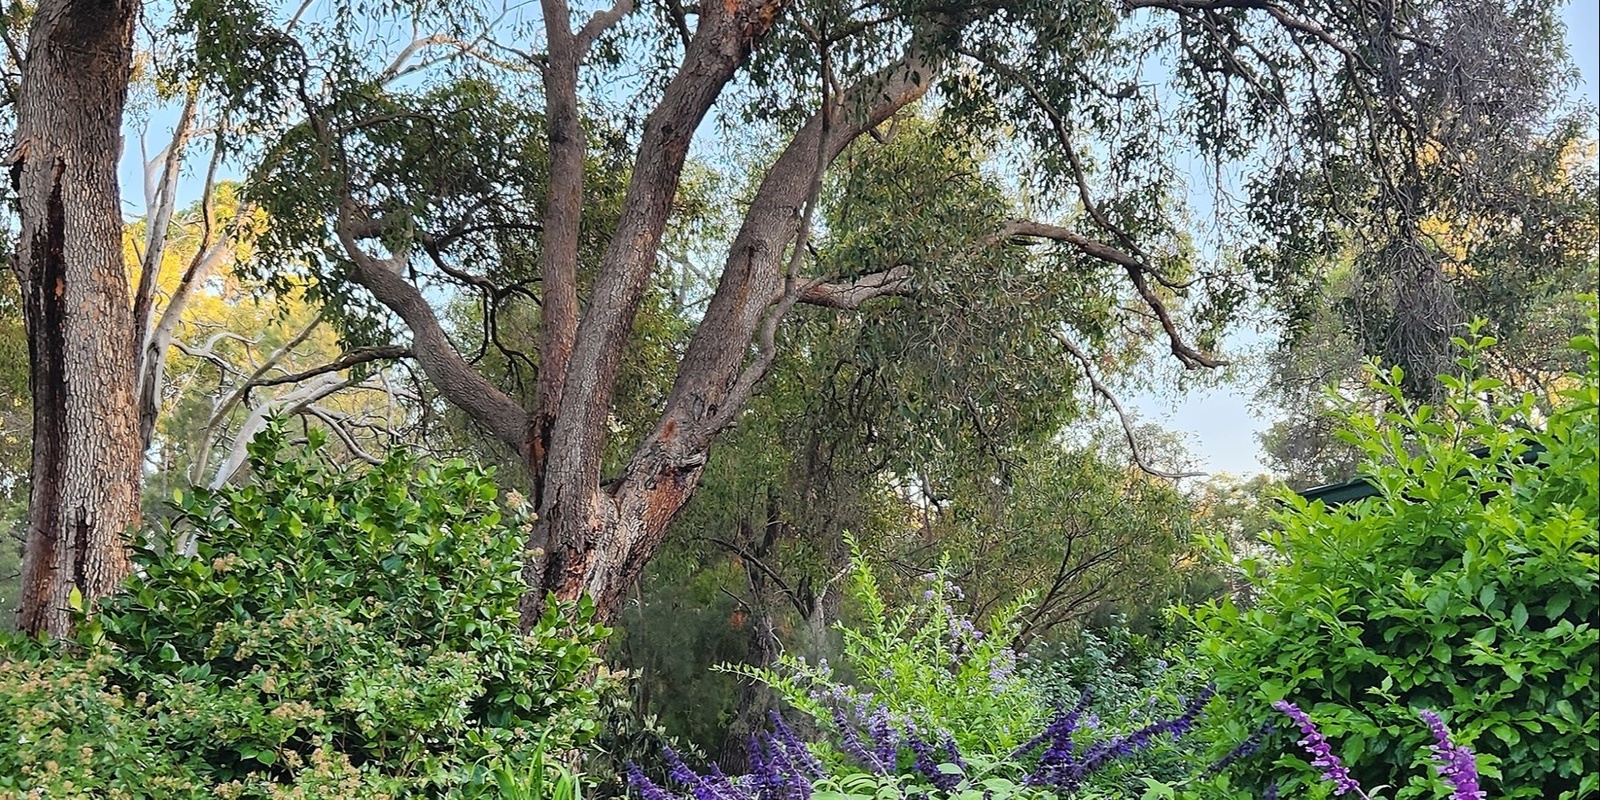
x=81 y=343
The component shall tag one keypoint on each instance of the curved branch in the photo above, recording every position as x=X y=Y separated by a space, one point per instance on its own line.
x=431 y=347
x=1189 y=356
x=1122 y=416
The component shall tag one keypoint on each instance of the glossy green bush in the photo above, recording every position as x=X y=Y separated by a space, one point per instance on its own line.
x=1468 y=586
x=357 y=629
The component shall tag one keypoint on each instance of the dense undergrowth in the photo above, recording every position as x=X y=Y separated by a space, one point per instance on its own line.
x=324 y=633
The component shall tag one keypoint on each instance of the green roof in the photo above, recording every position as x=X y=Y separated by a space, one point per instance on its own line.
x=1335 y=494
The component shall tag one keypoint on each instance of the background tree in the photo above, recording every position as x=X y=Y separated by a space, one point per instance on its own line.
x=388 y=193
x=1450 y=181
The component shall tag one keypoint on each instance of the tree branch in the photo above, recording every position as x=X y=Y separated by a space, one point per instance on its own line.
x=1122 y=416
x=343 y=362
x=431 y=347
x=1190 y=357
x=850 y=295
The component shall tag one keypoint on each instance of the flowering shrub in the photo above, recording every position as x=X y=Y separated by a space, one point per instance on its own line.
x=937 y=707
x=885 y=762
x=335 y=635
x=1128 y=680
x=1469 y=583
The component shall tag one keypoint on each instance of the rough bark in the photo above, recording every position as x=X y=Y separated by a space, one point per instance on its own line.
x=85 y=479
x=558 y=309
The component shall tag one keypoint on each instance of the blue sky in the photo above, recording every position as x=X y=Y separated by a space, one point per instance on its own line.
x=1218 y=424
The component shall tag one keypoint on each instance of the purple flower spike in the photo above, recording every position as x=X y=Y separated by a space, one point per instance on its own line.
x=647 y=789
x=929 y=767
x=1457 y=765
x=850 y=742
x=1317 y=745
x=886 y=745
x=805 y=763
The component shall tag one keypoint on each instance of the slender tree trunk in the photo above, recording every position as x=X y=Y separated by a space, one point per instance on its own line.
x=76 y=302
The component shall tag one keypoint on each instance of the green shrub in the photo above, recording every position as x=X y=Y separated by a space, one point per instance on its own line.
x=336 y=634
x=1467 y=586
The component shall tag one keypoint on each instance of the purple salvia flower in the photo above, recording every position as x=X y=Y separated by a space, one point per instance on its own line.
x=1271 y=793
x=1062 y=717
x=1456 y=762
x=677 y=770
x=1128 y=744
x=1058 y=763
x=954 y=754
x=926 y=764
x=850 y=743
x=779 y=777
x=723 y=785
x=646 y=788
x=697 y=786
x=763 y=775
x=1317 y=745
x=885 y=747
x=807 y=764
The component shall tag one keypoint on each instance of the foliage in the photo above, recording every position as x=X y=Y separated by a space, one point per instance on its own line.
x=1081 y=528
x=923 y=665
x=533 y=779
x=15 y=444
x=1457 y=765
x=1468 y=584
x=359 y=629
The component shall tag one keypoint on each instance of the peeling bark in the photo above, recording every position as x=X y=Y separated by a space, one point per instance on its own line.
x=76 y=303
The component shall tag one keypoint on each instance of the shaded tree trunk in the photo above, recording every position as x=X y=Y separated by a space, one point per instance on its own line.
x=81 y=343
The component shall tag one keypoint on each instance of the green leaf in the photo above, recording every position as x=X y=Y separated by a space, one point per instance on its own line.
x=1519 y=616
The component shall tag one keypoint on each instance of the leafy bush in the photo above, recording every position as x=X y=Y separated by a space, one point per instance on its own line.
x=335 y=634
x=1468 y=584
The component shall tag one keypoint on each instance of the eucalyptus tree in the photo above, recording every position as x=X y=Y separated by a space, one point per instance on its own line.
x=547 y=172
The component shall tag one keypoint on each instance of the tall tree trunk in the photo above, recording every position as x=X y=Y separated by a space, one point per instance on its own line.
x=76 y=302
